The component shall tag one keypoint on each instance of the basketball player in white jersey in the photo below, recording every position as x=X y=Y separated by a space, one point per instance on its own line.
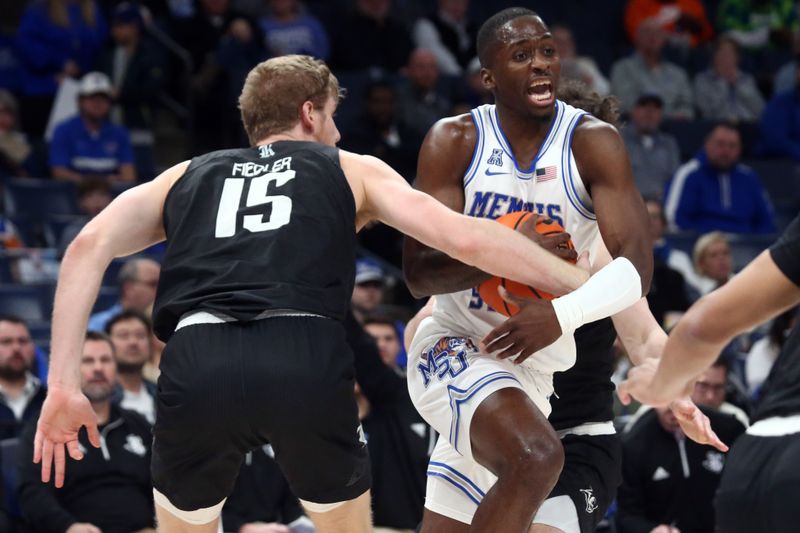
x=498 y=457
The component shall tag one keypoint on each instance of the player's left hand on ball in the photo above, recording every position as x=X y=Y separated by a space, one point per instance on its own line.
x=533 y=328
x=556 y=243
x=695 y=424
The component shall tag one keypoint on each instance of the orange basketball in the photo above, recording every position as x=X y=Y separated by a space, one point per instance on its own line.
x=488 y=289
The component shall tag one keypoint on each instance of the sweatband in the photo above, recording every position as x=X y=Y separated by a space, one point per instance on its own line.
x=613 y=288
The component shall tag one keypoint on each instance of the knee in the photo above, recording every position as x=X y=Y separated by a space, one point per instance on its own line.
x=537 y=458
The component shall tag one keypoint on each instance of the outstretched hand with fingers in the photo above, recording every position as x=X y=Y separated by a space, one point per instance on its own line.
x=695 y=424
x=64 y=412
x=534 y=327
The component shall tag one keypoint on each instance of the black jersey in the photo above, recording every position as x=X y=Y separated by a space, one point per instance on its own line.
x=584 y=393
x=250 y=230
x=781 y=392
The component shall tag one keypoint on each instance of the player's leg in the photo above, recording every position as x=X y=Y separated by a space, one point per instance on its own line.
x=513 y=439
x=186 y=522
x=587 y=484
x=306 y=409
x=351 y=516
x=433 y=522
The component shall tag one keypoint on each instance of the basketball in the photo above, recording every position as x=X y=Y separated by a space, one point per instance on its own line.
x=488 y=289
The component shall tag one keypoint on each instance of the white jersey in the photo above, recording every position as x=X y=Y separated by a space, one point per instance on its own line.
x=495 y=185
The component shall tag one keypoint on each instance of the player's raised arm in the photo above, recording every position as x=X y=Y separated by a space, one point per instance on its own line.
x=766 y=287
x=129 y=224
x=479 y=242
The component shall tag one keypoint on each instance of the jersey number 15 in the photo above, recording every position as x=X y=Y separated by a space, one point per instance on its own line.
x=231 y=199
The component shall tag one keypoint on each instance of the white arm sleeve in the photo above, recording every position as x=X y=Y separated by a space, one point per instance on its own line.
x=613 y=288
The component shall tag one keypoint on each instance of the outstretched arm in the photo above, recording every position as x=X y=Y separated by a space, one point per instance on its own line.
x=765 y=288
x=129 y=224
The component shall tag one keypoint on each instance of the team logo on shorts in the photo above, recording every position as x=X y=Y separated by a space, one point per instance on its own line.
x=591 y=501
x=447 y=357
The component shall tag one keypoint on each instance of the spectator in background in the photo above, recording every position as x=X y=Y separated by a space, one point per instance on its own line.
x=137 y=71
x=130 y=333
x=473 y=92
x=723 y=92
x=756 y=24
x=713 y=261
x=710 y=391
x=714 y=191
x=9 y=235
x=93 y=197
x=368 y=38
x=786 y=77
x=288 y=30
x=380 y=132
x=422 y=99
x=765 y=351
x=780 y=125
x=684 y=21
x=668 y=297
x=646 y=72
x=370 y=283
x=89 y=146
x=21 y=393
x=654 y=154
x=575 y=67
x=668 y=480
x=138 y=280
x=15 y=151
x=384 y=332
x=56 y=39
x=665 y=254
x=224 y=44
x=398 y=439
x=449 y=34
x=109 y=490
x=261 y=500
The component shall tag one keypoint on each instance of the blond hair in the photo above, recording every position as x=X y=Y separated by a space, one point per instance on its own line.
x=702 y=244
x=276 y=89
x=57 y=12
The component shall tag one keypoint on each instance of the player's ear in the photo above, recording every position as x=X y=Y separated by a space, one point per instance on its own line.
x=487 y=78
x=307 y=117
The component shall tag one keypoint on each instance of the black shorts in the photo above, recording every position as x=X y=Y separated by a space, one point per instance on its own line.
x=759 y=486
x=591 y=475
x=228 y=388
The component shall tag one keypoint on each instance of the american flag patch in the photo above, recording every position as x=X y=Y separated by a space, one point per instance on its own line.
x=546 y=173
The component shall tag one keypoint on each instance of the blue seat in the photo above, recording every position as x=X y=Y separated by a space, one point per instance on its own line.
x=39 y=329
x=24 y=302
x=5 y=268
x=36 y=199
x=745 y=248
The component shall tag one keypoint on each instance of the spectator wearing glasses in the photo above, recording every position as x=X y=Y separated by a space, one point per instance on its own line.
x=138 y=280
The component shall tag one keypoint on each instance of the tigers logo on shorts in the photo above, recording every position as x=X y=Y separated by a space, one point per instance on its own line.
x=447 y=357
x=591 y=501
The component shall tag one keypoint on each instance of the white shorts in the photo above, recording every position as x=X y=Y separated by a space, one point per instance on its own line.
x=448 y=378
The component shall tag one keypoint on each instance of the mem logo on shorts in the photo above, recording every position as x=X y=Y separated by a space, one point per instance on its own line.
x=591 y=501
x=447 y=357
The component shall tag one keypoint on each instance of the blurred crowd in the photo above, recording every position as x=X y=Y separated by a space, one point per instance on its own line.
x=99 y=95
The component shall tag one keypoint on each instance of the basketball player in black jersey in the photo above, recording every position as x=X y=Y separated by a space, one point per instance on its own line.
x=517 y=52
x=256 y=279
x=758 y=490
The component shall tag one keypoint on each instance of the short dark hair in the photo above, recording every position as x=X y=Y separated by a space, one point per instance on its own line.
x=487 y=35
x=14 y=319
x=382 y=320
x=92 y=335
x=726 y=124
x=722 y=362
x=129 y=314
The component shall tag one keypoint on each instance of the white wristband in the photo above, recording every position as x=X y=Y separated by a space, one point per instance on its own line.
x=613 y=288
